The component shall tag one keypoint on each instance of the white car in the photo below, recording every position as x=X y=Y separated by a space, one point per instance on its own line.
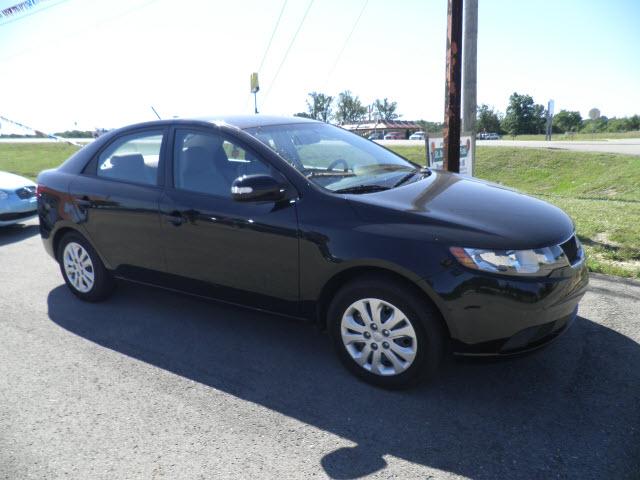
x=18 y=200
x=417 y=136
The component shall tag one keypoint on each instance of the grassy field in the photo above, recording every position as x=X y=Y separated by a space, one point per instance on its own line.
x=600 y=191
x=578 y=136
x=27 y=159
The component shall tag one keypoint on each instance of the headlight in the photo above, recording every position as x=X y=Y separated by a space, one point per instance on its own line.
x=537 y=262
x=4 y=195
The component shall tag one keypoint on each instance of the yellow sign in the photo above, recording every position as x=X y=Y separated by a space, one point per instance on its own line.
x=255 y=86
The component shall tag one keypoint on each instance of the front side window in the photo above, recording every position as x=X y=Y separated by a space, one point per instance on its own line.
x=206 y=162
x=334 y=158
x=132 y=158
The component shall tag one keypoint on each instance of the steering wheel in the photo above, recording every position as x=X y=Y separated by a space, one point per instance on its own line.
x=337 y=162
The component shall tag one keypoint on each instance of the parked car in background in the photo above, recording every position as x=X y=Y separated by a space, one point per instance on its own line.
x=488 y=136
x=417 y=136
x=398 y=262
x=17 y=199
x=376 y=136
x=394 y=136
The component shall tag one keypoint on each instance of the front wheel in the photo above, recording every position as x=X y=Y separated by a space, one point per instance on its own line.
x=386 y=334
x=82 y=270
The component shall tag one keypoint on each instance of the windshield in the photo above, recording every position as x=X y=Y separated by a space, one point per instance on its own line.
x=334 y=158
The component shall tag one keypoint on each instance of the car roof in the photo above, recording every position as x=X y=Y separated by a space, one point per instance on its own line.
x=239 y=121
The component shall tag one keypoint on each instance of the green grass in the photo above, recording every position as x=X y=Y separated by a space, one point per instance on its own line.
x=28 y=159
x=578 y=136
x=600 y=191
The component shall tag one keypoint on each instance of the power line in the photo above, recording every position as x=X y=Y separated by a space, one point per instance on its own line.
x=39 y=10
x=284 y=59
x=273 y=34
x=83 y=30
x=344 y=46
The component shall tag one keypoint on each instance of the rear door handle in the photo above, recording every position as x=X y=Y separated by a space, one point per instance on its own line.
x=84 y=202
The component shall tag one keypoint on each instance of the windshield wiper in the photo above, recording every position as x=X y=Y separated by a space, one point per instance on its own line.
x=409 y=176
x=330 y=173
x=362 y=189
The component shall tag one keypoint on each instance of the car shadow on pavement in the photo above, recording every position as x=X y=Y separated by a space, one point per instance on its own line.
x=571 y=410
x=16 y=233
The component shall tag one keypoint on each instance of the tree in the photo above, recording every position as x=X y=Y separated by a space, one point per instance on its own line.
x=488 y=120
x=319 y=106
x=567 y=121
x=431 y=127
x=349 y=109
x=385 y=110
x=523 y=116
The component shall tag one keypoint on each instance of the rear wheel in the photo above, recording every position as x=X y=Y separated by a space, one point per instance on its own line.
x=82 y=270
x=386 y=334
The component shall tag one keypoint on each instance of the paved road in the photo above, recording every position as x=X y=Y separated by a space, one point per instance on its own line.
x=629 y=146
x=159 y=385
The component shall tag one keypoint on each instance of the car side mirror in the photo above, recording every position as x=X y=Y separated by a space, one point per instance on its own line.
x=254 y=188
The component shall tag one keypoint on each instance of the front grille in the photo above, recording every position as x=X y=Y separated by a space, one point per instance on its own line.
x=26 y=193
x=7 y=217
x=572 y=250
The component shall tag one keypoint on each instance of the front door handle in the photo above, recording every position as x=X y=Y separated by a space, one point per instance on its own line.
x=175 y=218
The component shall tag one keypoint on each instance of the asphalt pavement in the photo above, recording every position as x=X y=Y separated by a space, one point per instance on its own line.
x=152 y=384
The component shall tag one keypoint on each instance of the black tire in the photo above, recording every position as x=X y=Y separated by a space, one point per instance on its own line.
x=103 y=283
x=422 y=315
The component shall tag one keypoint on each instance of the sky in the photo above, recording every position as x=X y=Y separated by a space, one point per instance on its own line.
x=85 y=64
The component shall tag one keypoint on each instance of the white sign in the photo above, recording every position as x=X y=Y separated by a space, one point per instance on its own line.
x=467 y=154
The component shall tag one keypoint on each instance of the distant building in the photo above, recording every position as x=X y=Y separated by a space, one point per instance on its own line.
x=405 y=127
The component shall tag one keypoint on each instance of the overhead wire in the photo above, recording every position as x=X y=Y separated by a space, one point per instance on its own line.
x=29 y=14
x=344 y=45
x=273 y=34
x=286 y=54
x=87 y=28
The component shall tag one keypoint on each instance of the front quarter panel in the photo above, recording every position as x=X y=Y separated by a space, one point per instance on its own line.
x=334 y=239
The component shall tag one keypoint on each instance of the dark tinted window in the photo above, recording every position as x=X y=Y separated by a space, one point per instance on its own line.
x=209 y=163
x=133 y=158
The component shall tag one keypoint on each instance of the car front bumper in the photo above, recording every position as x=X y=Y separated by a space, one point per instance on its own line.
x=499 y=315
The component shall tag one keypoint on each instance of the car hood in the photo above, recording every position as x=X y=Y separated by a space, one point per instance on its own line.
x=455 y=210
x=10 y=181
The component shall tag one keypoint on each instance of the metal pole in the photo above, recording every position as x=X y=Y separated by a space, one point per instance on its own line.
x=469 y=71
x=451 y=132
x=255 y=102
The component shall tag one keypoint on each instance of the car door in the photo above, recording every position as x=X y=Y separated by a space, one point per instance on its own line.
x=118 y=198
x=243 y=252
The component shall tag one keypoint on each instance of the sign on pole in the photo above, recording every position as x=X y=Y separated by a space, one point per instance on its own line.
x=436 y=155
x=255 y=86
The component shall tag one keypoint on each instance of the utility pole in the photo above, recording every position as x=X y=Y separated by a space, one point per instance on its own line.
x=451 y=132
x=470 y=71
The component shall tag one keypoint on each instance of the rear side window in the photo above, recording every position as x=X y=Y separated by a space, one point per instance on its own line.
x=132 y=158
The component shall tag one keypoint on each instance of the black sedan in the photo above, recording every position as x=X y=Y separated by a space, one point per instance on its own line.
x=399 y=263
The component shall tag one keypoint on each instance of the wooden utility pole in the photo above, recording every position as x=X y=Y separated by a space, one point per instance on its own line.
x=470 y=71
x=451 y=132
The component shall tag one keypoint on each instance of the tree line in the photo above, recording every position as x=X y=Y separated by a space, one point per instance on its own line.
x=347 y=108
x=524 y=116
